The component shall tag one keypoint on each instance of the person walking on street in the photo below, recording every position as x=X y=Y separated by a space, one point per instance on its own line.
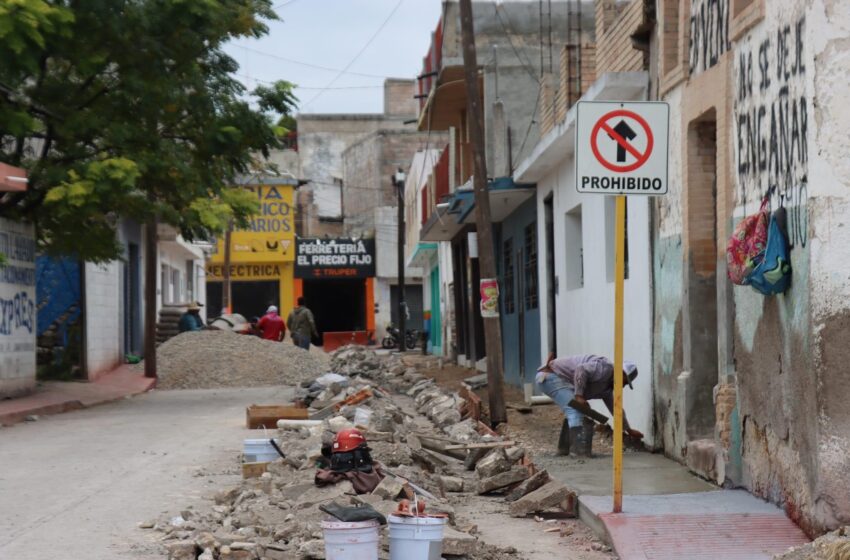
x=271 y=325
x=191 y=319
x=302 y=325
x=578 y=379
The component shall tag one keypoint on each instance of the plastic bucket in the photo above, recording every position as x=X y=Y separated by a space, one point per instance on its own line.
x=416 y=538
x=258 y=451
x=351 y=540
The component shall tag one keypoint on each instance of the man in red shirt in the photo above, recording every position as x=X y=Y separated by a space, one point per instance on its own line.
x=271 y=325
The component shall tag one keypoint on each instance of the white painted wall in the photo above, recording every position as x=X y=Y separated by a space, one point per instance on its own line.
x=17 y=308
x=585 y=314
x=175 y=255
x=103 y=317
x=444 y=257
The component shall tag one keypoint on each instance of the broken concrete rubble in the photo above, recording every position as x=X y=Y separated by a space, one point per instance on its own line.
x=549 y=495
x=412 y=423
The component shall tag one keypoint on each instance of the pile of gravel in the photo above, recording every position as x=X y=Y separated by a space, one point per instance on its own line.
x=211 y=359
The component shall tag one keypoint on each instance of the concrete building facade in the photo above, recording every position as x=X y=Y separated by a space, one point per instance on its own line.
x=750 y=390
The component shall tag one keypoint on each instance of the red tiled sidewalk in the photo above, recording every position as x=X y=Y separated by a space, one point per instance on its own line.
x=725 y=524
x=54 y=397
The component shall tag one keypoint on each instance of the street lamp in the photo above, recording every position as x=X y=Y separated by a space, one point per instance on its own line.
x=398 y=182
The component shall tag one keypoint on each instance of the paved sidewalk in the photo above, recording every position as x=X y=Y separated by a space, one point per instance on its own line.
x=54 y=397
x=670 y=514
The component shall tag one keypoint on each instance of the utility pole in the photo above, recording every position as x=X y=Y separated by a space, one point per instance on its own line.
x=150 y=297
x=225 y=285
x=398 y=181
x=483 y=221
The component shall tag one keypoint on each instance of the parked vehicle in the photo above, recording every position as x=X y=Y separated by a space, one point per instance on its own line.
x=391 y=339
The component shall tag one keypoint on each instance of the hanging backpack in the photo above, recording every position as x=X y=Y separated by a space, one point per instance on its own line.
x=746 y=246
x=773 y=273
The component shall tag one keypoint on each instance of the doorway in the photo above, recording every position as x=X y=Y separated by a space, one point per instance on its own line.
x=337 y=305
x=700 y=317
x=551 y=278
x=249 y=299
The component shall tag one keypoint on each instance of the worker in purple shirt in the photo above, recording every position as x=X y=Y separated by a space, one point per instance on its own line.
x=581 y=378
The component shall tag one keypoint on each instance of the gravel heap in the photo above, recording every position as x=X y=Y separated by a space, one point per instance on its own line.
x=831 y=546
x=211 y=359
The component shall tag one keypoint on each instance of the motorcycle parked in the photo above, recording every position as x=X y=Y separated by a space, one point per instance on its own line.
x=391 y=339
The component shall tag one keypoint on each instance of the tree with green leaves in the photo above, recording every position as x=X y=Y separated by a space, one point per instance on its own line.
x=130 y=108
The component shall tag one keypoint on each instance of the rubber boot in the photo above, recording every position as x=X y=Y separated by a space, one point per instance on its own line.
x=588 y=427
x=582 y=441
x=564 y=439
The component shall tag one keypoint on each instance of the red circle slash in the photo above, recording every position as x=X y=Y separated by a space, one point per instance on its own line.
x=601 y=125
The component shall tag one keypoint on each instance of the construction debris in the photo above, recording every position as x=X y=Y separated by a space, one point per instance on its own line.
x=416 y=435
x=211 y=359
x=834 y=545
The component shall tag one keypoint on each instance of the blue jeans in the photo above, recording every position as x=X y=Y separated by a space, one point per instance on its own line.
x=562 y=392
x=301 y=341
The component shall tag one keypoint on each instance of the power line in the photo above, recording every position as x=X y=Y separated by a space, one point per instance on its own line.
x=284 y=4
x=360 y=52
x=509 y=32
x=307 y=64
x=296 y=86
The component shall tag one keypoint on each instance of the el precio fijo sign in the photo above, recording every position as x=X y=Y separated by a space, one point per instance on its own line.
x=621 y=147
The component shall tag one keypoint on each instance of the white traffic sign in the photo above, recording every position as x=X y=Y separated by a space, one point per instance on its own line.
x=621 y=148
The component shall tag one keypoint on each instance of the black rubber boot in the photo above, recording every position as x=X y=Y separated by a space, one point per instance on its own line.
x=588 y=427
x=564 y=439
x=582 y=441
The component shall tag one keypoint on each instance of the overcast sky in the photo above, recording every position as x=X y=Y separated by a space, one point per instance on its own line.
x=330 y=34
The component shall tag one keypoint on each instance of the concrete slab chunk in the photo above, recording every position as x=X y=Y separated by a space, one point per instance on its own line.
x=549 y=495
x=516 y=474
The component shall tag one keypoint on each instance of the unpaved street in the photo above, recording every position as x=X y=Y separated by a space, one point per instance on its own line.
x=74 y=486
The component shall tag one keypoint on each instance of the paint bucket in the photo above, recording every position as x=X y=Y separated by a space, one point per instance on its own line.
x=258 y=451
x=351 y=540
x=416 y=538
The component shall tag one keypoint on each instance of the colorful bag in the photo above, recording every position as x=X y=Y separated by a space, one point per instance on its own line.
x=773 y=274
x=746 y=246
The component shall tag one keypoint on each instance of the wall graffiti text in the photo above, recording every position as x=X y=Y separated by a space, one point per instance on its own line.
x=709 y=34
x=772 y=123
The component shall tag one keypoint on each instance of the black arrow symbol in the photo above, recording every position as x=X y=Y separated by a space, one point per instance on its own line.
x=626 y=133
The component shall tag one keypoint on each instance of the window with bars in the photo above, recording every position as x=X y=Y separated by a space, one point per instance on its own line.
x=530 y=266
x=508 y=276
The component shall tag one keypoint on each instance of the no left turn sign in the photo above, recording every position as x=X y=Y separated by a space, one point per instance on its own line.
x=621 y=148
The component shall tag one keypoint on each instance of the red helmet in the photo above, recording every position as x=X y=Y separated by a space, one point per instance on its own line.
x=348 y=440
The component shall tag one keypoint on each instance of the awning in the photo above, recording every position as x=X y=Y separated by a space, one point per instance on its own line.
x=446 y=222
x=422 y=255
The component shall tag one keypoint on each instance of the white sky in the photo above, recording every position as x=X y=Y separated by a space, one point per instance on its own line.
x=330 y=33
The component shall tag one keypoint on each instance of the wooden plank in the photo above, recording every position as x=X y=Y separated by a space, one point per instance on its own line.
x=483 y=445
x=257 y=415
x=254 y=470
x=473 y=401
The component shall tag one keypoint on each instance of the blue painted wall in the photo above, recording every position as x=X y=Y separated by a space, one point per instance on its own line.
x=512 y=230
x=57 y=289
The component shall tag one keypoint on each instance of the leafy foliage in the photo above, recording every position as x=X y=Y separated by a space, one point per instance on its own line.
x=130 y=108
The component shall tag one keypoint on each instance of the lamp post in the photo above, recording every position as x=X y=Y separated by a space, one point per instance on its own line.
x=398 y=181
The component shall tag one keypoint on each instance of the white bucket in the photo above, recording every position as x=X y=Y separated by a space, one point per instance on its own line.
x=258 y=451
x=416 y=538
x=351 y=540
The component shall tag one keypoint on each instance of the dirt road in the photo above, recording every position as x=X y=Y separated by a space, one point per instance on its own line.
x=75 y=485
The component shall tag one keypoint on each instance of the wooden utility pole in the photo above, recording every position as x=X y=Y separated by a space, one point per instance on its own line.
x=150 y=297
x=483 y=221
x=225 y=285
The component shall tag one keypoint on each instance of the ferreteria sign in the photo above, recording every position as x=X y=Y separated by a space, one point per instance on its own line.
x=334 y=258
x=621 y=148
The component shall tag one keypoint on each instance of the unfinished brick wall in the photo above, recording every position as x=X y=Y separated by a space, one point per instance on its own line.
x=615 y=52
x=702 y=195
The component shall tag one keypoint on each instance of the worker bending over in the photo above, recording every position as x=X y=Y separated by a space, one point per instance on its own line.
x=579 y=379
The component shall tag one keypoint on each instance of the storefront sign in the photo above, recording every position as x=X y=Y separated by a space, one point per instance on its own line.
x=17 y=304
x=260 y=271
x=489 y=297
x=335 y=258
x=270 y=235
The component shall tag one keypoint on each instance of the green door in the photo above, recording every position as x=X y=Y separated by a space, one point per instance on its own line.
x=436 y=320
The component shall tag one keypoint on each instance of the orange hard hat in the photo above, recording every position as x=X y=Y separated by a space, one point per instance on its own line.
x=348 y=440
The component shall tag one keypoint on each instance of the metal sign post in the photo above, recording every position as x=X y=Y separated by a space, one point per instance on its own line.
x=621 y=149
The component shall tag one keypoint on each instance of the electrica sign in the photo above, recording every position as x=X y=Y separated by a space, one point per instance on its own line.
x=621 y=148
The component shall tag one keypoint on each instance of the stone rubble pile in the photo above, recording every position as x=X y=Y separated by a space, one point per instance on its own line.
x=834 y=545
x=415 y=431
